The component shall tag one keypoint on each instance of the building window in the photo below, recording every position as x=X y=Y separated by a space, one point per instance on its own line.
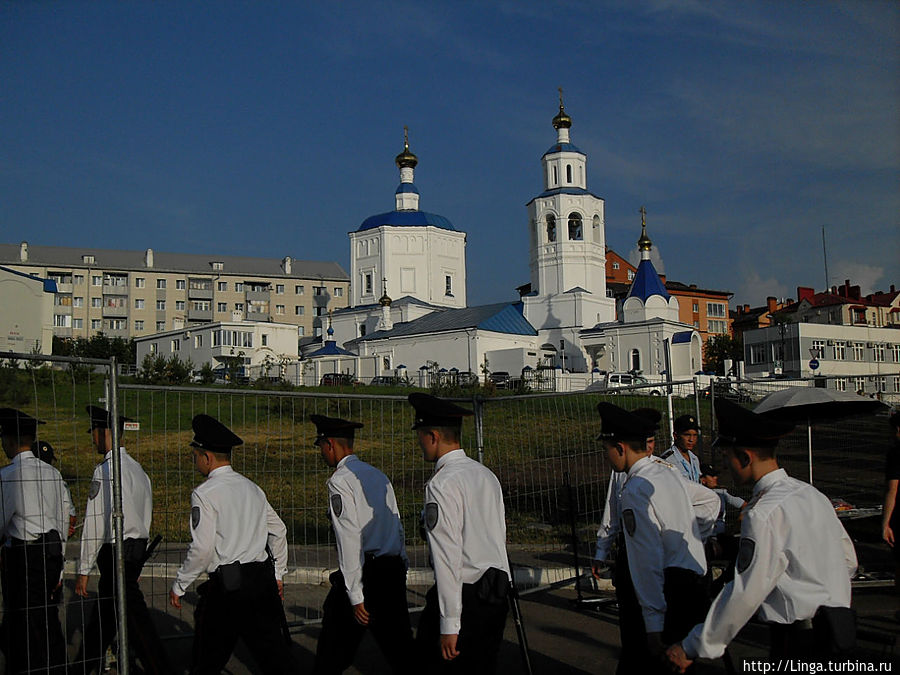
x=367 y=283
x=96 y=324
x=301 y=331
x=96 y=302
x=175 y=345
x=551 y=227
x=218 y=266
x=576 y=232
x=139 y=303
x=757 y=354
x=338 y=292
x=616 y=266
x=96 y=280
x=555 y=176
x=860 y=384
x=299 y=310
x=717 y=326
x=179 y=305
x=840 y=384
x=279 y=289
x=837 y=352
x=118 y=324
x=160 y=325
x=818 y=348
x=858 y=316
x=298 y=290
x=78 y=301
x=568 y=173
x=881 y=383
x=153 y=347
x=265 y=340
x=198 y=341
x=222 y=286
x=895 y=351
x=279 y=309
x=319 y=311
x=139 y=325
x=160 y=283
x=362 y=329
x=179 y=285
x=221 y=306
x=630 y=275
x=878 y=353
x=78 y=323
x=201 y=305
x=62 y=320
x=858 y=354
x=635 y=360
x=896 y=383
x=319 y=290
x=696 y=308
x=697 y=324
x=78 y=279
x=140 y=282
x=87 y=259
x=161 y=305
x=448 y=285
x=716 y=309
x=239 y=307
x=238 y=287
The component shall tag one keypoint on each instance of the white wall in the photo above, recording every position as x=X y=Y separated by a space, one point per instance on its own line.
x=26 y=322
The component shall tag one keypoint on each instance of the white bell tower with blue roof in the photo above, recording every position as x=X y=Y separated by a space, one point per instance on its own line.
x=417 y=254
x=567 y=241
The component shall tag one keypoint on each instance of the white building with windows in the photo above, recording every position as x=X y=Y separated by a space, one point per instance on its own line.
x=28 y=318
x=854 y=358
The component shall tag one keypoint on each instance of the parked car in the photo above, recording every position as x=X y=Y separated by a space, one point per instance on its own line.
x=500 y=379
x=337 y=380
x=388 y=381
x=619 y=380
x=466 y=379
x=729 y=390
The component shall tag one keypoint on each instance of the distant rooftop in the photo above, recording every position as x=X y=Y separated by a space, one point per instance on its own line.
x=198 y=263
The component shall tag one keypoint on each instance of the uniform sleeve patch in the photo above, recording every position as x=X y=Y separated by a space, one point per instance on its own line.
x=745 y=554
x=431 y=515
x=95 y=488
x=195 y=517
x=337 y=505
x=628 y=519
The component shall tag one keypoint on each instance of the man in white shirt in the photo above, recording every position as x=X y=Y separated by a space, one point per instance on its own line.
x=465 y=611
x=33 y=525
x=233 y=529
x=97 y=546
x=795 y=560
x=369 y=589
x=686 y=435
x=662 y=535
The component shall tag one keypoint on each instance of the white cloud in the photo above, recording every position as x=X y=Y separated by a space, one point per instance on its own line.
x=860 y=274
x=754 y=289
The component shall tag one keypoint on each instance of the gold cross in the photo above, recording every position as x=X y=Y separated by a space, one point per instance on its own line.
x=643 y=212
x=560 y=98
x=406 y=137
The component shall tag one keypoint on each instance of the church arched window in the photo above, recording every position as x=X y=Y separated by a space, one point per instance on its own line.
x=568 y=173
x=555 y=178
x=576 y=232
x=635 y=360
x=596 y=222
x=551 y=227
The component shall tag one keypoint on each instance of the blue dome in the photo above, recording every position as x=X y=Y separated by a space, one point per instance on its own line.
x=406 y=219
x=562 y=147
x=406 y=187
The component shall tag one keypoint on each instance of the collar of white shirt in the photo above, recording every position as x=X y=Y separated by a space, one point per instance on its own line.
x=220 y=471
x=348 y=458
x=108 y=455
x=23 y=457
x=769 y=479
x=452 y=456
x=636 y=467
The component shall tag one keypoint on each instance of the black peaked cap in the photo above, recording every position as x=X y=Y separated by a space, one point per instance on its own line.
x=14 y=423
x=211 y=434
x=685 y=423
x=101 y=419
x=620 y=425
x=650 y=415
x=43 y=451
x=333 y=427
x=739 y=426
x=432 y=411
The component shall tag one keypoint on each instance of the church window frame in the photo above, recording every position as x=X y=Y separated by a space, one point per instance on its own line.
x=576 y=227
x=448 y=285
x=634 y=358
x=555 y=177
x=551 y=228
x=367 y=283
x=569 y=174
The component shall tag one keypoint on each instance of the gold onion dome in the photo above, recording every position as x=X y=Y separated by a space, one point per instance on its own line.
x=385 y=300
x=644 y=243
x=562 y=119
x=406 y=159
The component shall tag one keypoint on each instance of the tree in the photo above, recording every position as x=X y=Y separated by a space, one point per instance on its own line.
x=717 y=349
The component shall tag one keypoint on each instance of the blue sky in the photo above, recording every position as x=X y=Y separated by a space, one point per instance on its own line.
x=269 y=129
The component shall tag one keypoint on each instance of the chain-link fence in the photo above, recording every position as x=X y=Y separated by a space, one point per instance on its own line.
x=542 y=447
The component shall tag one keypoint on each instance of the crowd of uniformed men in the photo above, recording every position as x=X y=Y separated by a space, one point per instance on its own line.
x=792 y=564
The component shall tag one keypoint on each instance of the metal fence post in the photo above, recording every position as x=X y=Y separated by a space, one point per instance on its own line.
x=478 y=405
x=122 y=662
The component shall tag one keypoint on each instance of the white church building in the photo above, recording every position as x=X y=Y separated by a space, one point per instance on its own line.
x=408 y=311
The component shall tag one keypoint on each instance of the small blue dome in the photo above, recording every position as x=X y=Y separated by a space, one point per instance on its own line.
x=404 y=188
x=562 y=147
x=406 y=219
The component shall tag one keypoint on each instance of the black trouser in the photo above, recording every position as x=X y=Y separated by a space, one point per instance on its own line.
x=384 y=592
x=634 y=655
x=480 y=634
x=248 y=608
x=143 y=640
x=33 y=637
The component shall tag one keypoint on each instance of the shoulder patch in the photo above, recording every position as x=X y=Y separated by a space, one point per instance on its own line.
x=628 y=519
x=745 y=554
x=95 y=488
x=657 y=460
x=337 y=505
x=431 y=515
x=667 y=453
x=195 y=517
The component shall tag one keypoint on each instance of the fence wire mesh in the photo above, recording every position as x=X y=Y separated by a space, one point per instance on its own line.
x=542 y=447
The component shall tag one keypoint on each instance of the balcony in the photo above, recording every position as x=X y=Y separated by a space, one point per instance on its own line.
x=116 y=332
x=257 y=316
x=115 y=311
x=200 y=315
x=200 y=294
x=258 y=296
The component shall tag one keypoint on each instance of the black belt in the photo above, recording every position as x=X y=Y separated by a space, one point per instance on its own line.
x=369 y=556
x=51 y=537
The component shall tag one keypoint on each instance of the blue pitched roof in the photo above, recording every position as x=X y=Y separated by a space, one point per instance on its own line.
x=647 y=283
x=330 y=349
x=504 y=317
x=406 y=219
x=406 y=187
x=565 y=191
x=562 y=147
x=682 y=336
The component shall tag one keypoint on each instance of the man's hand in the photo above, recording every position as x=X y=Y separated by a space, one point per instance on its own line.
x=448 y=646
x=678 y=660
x=81 y=585
x=598 y=567
x=280 y=585
x=174 y=600
x=360 y=614
x=888 y=535
x=71 y=525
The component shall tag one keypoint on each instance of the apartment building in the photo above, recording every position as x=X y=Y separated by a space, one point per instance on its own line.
x=131 y=294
